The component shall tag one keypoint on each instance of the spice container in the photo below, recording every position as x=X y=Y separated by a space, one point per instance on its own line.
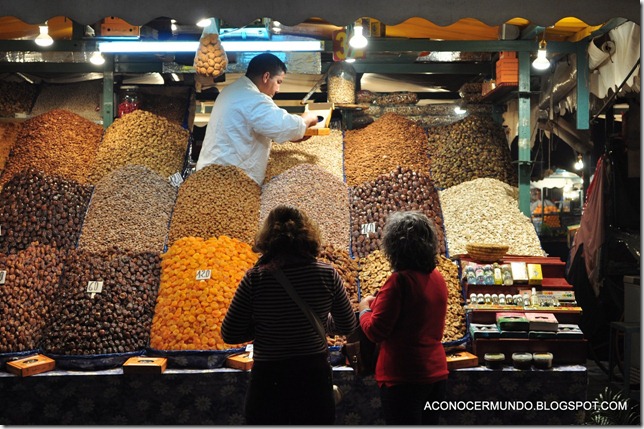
x=522 y=360
x=542 y=360
x=341 y=82
x=494 y=360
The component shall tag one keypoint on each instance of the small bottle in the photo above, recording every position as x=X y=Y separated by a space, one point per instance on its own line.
x=495 y=299
x=534 y=301
x=488 y=298
x=501 y=299
x=509 y=300
x=473 y=298
x=480 y=299
x=526 y=299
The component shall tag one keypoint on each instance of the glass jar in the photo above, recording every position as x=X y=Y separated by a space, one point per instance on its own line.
x=130 y=100
x=341 y=83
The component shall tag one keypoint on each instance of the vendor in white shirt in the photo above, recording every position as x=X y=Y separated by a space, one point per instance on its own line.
x=245 y=119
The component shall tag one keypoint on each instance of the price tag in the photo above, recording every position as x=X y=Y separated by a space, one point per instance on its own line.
x=1 y=231
x=3 y=277
x=94 y=287
x=367 y=228
x=176 y=180
x=249 y=349
x=203 y=274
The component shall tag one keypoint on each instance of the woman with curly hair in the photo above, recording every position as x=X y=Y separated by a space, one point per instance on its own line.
x=291 y=379
x=407 y=319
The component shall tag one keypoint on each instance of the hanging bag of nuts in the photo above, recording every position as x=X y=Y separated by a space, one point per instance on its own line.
x=210 y=60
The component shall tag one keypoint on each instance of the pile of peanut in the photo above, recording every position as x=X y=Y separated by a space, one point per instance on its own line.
x=8 y=134
x=130 y=210
x=216 y=200
x=320 y=194
x=322 y=151
x=142 y=138
x=59 y=143
x=380 y=147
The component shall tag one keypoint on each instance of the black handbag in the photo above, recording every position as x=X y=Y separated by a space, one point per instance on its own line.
x=361 y=352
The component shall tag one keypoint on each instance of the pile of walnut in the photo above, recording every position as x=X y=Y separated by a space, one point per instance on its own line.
x=211 y=59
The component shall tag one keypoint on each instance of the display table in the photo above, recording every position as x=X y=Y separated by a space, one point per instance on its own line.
x=216 y=397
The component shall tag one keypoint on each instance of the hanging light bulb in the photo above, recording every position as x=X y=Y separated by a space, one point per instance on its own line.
x=579 y=165
x=44 y=39
x=459 y=110
x=358 y=41
x=203 y=23
x=97 y=59
x=173 y=25
x=541 y=62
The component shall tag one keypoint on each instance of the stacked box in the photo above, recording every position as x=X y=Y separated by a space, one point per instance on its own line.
x=507 y=71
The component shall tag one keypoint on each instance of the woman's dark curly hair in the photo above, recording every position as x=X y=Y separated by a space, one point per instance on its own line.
x=287 y=235
x=410 y=242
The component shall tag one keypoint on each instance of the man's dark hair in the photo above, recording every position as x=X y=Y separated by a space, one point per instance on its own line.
x=263 y=63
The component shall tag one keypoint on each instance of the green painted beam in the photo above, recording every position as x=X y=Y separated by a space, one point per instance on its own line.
x=108 y=92
x=525 y=163
x=583 y=90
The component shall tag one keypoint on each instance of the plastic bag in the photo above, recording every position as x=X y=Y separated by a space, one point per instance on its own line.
x=210 y=59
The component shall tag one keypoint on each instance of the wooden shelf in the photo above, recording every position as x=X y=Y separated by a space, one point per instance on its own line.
x=564 y=351
x=486 y=314
x=500 y=93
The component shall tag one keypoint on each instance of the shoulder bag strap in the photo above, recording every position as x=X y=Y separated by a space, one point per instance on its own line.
x=315 y=321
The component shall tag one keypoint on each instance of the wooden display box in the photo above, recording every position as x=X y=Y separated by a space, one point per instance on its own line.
x=117 y=27
x=565 y=351
x=145 y=365
x=31 y=365
x=461 y=359
x=241 y=361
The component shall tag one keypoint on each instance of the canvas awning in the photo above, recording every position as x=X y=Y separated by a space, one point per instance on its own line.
x=338 y=12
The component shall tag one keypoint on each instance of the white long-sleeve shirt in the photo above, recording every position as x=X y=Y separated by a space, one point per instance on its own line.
x=242 y=125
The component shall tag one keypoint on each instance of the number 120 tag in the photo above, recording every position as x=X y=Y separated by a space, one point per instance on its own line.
x=203 y=274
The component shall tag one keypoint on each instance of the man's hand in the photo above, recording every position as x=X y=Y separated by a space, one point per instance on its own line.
x=310 y=118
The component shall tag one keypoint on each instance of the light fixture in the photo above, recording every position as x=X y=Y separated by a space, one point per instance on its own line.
x=358 y=41
x=203 y=23
x=350 y=60
x=44 y=39
x=579 y=165
x=228 y=45
x=277 y=27
x=97 y=59
x=173 y=25
x=541 y=62
x=459 y=110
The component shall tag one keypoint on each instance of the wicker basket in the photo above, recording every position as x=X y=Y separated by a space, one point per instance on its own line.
x=486 y=252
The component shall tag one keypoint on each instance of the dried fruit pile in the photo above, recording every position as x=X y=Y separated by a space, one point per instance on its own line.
x=189 y=312
x=16 y=97
x=346 y=267
x=26 y=297
x=82 y=98
x=58 y=143
x=371 y=203
x=8 y=135
x=38 y=207
x=130 y=210
x=116 y=320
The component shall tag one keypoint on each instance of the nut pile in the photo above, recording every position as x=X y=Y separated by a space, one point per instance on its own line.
x=142 y=138
x=400 y=97
x=402 y=189
x=82 y=98
x=38 y=207
x=130 y=210
x=471 y=92
x=16 y=97
x=374 y=271
x=189 y=312
x=472 y=148
x=26 y=297
x=380 y=147
x=455 y=317
x=346 y=267
x=322 y=151
x=59 y=143
x=171 y=108
x=116 y=320
x=216 y=200
x=8 y=135
x=211 y=60
x=487 y=210
x=318 y=193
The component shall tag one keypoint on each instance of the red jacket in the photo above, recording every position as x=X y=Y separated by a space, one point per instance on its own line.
x=408 y=320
